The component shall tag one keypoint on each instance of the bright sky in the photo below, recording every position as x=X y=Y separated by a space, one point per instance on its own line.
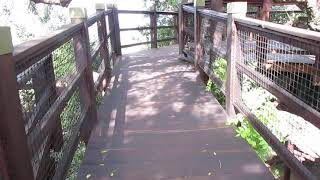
x=22 y=21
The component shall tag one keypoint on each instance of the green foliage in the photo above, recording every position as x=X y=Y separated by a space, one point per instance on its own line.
x=247 y=132
x=216 y=92
x=220 y=68
x=76 y=162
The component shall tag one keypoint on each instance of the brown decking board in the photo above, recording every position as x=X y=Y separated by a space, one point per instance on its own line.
x=158 y=122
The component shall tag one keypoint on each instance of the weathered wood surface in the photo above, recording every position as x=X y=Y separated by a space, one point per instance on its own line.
x=158 y=122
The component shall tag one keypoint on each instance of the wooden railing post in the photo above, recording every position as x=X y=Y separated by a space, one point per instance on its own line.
x=117 y=31
x=199 y=49
x=104 y=51
x=84 y=62
x=111 y=30
x=181 y=29
x=176 y=28
x=153 y=25
x=232 y=84
x=12 y=131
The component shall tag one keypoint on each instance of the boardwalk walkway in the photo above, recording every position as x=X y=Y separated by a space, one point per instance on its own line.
x=158 y=122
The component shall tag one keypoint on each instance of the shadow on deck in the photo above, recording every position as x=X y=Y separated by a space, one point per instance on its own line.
x=158 y=122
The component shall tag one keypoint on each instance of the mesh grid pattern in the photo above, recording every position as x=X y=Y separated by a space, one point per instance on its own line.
x=288 y=64
x=40 y=86
x=213 y=37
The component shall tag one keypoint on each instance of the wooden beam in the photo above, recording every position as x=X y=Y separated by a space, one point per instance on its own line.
x=83 y=61
x=12 y=132
x=104 y=50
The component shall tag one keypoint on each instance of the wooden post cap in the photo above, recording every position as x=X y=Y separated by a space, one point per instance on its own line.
x=199 y=3
x=78 y=13
x=6 y=46
x=237 y=8
x=100 y=6
x=110 y=6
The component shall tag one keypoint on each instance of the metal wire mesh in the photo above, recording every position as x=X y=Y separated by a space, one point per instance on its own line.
x=40 y=87
x=269 y=61
x=213 y=37
x=292 y=66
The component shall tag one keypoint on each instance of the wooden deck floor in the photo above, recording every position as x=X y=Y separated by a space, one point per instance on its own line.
x=158 y=122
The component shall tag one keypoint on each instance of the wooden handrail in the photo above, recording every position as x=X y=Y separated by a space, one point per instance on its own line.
x=30 y=52
x=147 y=12
x=299 y=38
x=298 y=32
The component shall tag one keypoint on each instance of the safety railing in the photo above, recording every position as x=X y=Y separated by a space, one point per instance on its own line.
x=153 y=27
x=51 y=89
x=261 y=67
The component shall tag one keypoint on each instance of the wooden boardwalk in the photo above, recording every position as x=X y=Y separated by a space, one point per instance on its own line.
x=158 y=122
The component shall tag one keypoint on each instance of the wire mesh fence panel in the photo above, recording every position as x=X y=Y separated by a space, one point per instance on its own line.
x=93 y=38
x=215 y=45
x=290 y=64
x=278 y=74
x=44 y=88
x=189 y=48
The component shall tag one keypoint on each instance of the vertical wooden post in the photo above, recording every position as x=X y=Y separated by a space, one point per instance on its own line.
x=199 y=49
x=287 y=171
x=153 y=24
x=12 y=132
x=264 y=13
x=104 y=51
x=112 y=31
x=232 y=84
x=176 y=28
x=181 y=30
x=117 y=32
x=84 y=62
x=262 y=42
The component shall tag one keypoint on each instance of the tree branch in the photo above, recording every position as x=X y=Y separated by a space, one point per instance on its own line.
x=63 y=3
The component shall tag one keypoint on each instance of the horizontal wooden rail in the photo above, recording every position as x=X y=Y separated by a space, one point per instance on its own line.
x=147 y=42
x=147 y=12
x=145 y=28
x=189 y=9
x=30 y=52
x=241 y=30
x=298 y=32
